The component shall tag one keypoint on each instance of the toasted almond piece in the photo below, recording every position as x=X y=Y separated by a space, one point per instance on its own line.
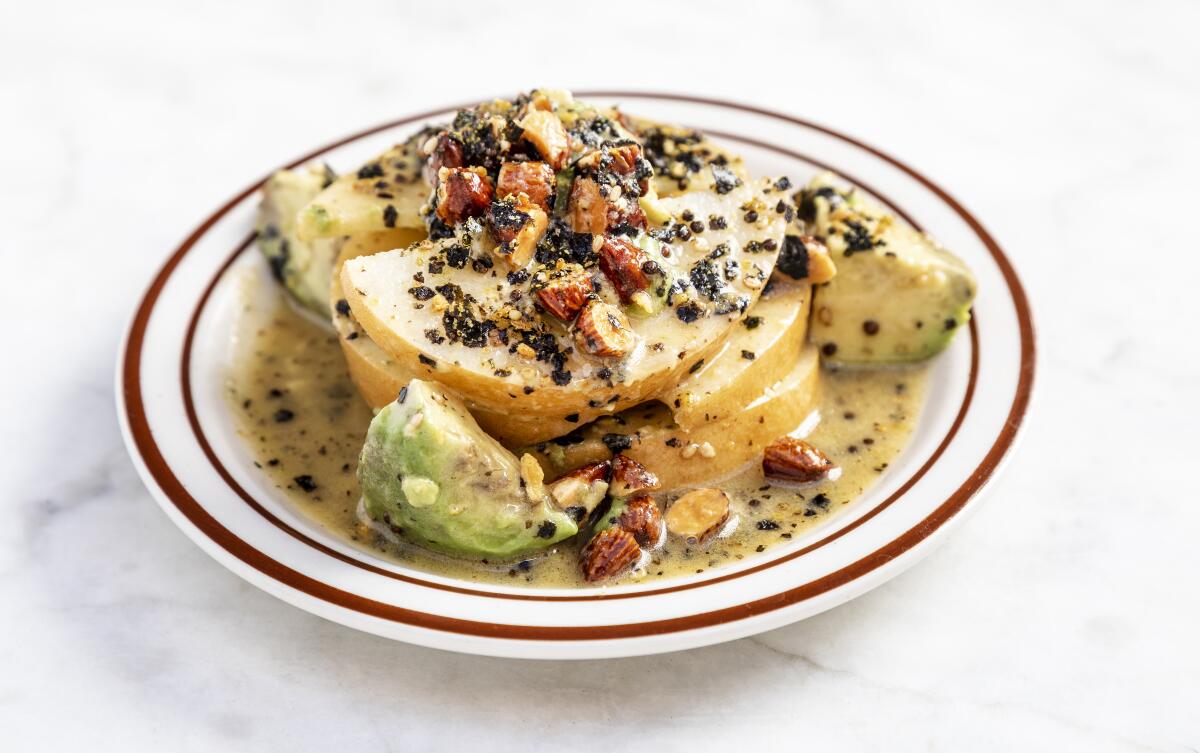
x=609 y=552
x=564 y=291
x=446 y=152
x=602 y=330
x=531 y=477
x=534 y=179
x=794 y=459
x=642 y=518
x=462 y=192
x=820 y=262
x=582 y=488
x=587 y=209
x=629 y=477
x=517 y=225
x=699 y=514
x=545 y=131
x=624 y=159
x=621 y=262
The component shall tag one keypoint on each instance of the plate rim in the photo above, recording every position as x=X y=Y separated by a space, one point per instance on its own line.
x=139 y=437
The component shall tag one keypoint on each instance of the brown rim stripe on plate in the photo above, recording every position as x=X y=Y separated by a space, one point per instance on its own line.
x=173 y=489
x=532 y=595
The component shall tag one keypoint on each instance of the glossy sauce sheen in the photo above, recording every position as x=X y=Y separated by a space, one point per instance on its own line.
x=304 y=423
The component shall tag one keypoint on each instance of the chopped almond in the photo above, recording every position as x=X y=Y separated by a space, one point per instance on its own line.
x=609 y=552
x=565 y=291
x=602 y=330
x=699 y=514
x=545 y=131
x=447 y=152
x=587 y=209
x=820 y=261
x=517 y=226
x=462 y=193
x=792 y=459
x=534 y=179
x=630 y=477
x=581 y=489
x=621 y=262
x=642 y=518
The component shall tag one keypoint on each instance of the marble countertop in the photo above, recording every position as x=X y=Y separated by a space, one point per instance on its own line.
x=1064 y=615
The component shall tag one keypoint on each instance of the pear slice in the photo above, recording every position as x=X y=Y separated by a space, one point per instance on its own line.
x=383 y=194
x=761 y=352
x=499 y=351
x=706 y=454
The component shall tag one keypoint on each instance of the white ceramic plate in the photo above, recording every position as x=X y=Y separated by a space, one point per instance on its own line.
x=183 y=441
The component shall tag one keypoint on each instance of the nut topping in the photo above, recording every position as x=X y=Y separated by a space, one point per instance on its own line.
x=609 y=552
x=793 y=459
x=622 y=262
x=461 y=193
x=642 y=518
x=545 y=131
x=587 y=209
x=629 y=477
x=581 y=488
x=697 y=515
x=565 y=292
x=534 y=179
x=603 y=330
x=447 y=152
x=517 y=226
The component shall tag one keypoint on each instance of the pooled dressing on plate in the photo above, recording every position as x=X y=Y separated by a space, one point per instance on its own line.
x=304 y=423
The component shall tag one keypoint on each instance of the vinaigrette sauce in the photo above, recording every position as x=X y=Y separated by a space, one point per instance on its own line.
x=304 y=423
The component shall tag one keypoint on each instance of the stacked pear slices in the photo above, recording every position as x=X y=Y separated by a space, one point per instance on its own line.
x=695 y=398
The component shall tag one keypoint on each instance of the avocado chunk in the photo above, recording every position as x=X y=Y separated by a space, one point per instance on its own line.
x=898 y=296
x=305 y=268
x=430 y=473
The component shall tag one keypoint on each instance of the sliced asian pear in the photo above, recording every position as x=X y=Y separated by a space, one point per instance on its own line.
x=685 y=159
x=710 y=452
x=761 y=352
x=385 y=193
x=379 y=378
x=448 y=310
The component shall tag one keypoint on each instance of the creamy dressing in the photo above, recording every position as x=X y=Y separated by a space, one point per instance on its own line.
x=304 y=423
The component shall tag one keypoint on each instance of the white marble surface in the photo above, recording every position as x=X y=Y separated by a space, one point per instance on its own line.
x=1064 y=616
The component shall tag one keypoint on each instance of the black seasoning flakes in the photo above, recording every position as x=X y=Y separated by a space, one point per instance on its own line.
x=421 y=293
x=390 y=215
x=793 y=259
x=283 y=415
x=370 y=170
x=725 y=180
x=456 y=256
x=427 y=360
x=343 y=307
x=546 y=530
x=858 y=238
x=689 y=312
x=617 y=443
x=716 y=222
x=435 y=337
x=752 y=322
x=306 y=483
x=766 y=525
x=696 y=366
x=748 y=355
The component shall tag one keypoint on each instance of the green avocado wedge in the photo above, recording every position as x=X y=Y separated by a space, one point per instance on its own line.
x=430 y=473
x=305 y=268
x=898 y=297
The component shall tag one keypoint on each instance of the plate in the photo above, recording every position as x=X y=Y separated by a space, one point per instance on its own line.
x=182 y=437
